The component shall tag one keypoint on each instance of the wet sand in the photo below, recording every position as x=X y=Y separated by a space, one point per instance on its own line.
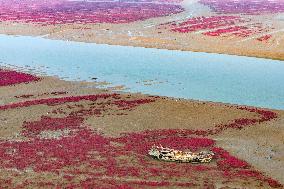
x=253 y=137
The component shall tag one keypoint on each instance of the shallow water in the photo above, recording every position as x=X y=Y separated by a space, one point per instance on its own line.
x=190 y=75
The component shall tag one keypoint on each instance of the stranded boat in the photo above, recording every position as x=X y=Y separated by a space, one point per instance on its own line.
x=167 y=154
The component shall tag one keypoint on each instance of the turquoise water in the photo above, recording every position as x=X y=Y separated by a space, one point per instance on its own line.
x=190 y=75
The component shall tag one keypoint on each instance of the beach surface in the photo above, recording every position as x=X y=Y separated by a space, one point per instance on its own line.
x=71 y=134
x=56 y=133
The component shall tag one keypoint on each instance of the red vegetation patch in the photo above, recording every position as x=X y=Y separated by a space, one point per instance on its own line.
x=149 y=138
x=50 y=124
x=113 y=158
x=264 y=38
x=57 y=101
x=239 y=31
x=84 y=158
x=82 y=12
x=13 y=77
x=264 y=116
x=218 y=26
x=244 y=6
x=205 y=23
x=232 y=162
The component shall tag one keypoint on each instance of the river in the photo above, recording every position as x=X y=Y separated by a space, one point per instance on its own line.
x=190 y=75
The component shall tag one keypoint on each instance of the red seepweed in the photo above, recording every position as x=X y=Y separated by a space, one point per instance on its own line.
x=82 y=157
x=53 y=12
x=13 y=77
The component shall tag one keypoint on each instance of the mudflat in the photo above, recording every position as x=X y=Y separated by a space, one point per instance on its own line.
x=71 y=134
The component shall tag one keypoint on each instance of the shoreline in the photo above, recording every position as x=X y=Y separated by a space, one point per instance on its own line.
x=150 y=47
x=175 y=115
x=253 y=54
x=195 y=70
x=114 y=34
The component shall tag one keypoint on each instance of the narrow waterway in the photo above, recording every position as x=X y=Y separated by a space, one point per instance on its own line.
x=190 y=75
